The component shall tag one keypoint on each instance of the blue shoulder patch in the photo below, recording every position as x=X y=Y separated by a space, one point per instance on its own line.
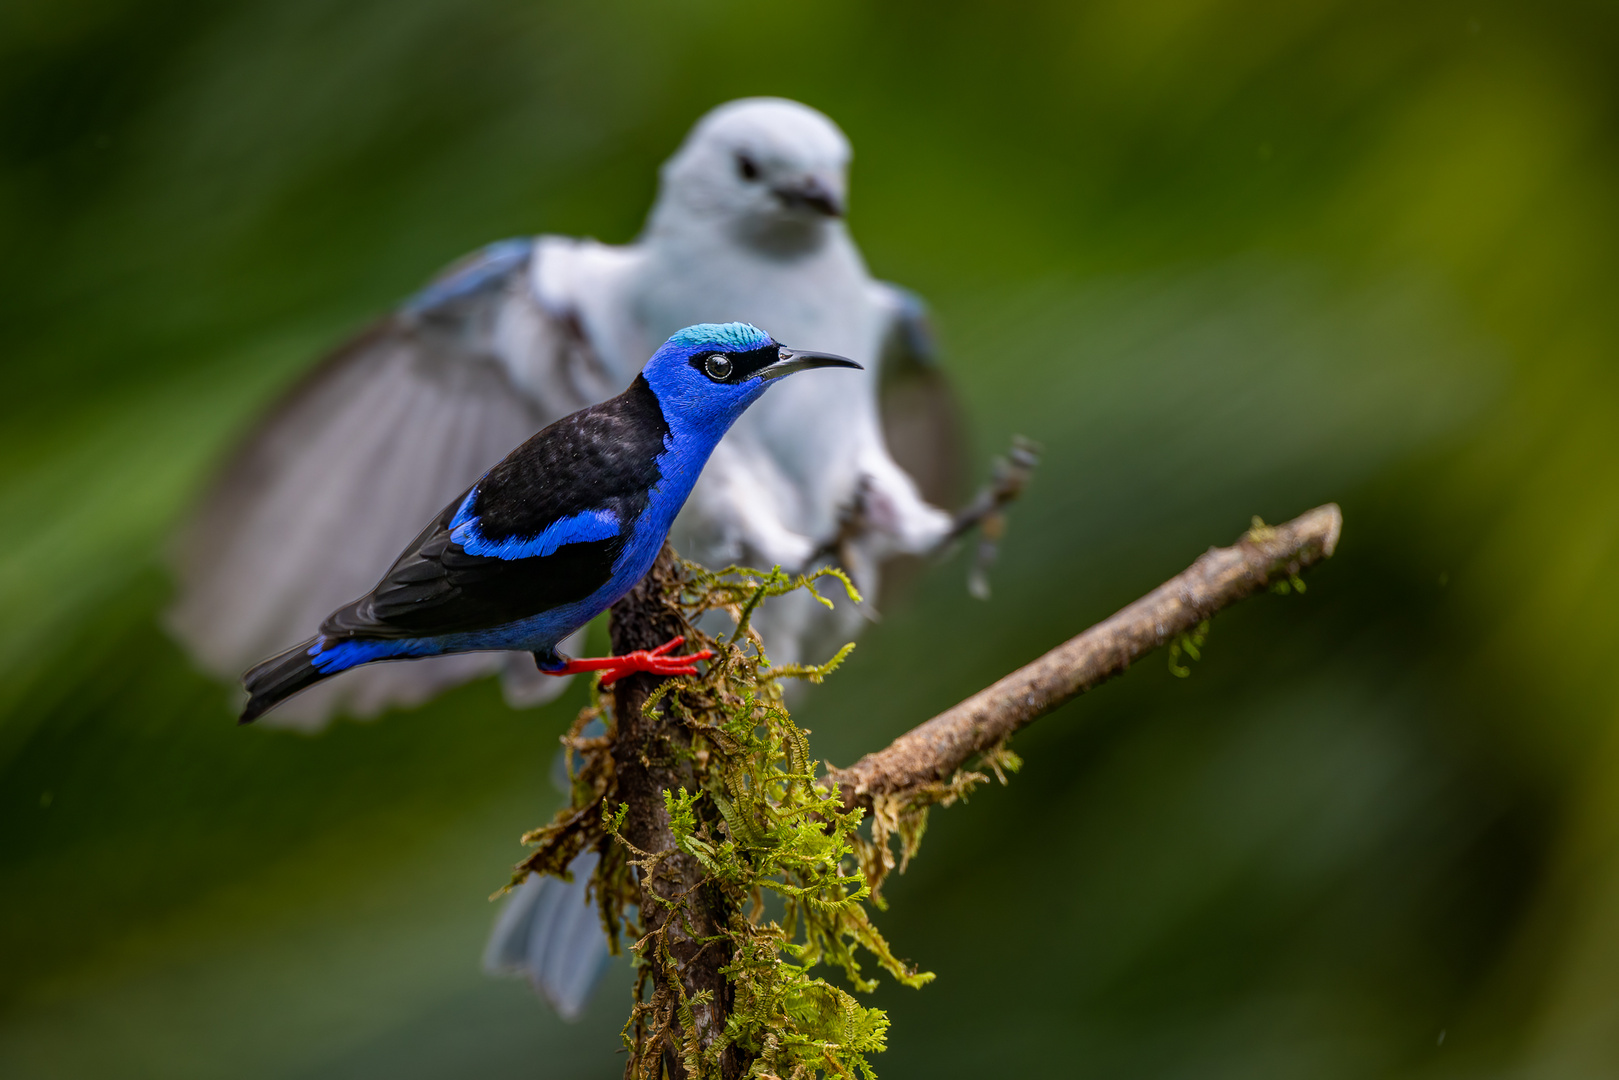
x=486 y=267
x=731 y=337
x=574 y=529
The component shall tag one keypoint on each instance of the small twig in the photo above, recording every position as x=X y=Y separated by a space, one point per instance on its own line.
x=932 y=752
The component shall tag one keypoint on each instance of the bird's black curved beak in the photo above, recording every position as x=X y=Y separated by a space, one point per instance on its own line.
x=791 y=360
x=810 y=194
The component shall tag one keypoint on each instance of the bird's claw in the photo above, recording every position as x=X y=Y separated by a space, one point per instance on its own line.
x=651 y=661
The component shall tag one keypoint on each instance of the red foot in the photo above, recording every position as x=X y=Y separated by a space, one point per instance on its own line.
x=657 y=661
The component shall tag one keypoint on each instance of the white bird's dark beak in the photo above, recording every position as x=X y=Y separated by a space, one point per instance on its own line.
x=790 y=360
x=809 y=194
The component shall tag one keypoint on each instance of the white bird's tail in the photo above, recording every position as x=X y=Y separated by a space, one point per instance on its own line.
x=550 y=934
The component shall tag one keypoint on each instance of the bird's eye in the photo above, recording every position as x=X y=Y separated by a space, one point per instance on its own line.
x=747 y=168
x=718 y=367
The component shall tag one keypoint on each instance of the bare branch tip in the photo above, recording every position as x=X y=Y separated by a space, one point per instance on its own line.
x=1335 y=528
x=919 y=759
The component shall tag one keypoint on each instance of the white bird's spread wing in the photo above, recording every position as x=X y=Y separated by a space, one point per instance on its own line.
x=321 y=496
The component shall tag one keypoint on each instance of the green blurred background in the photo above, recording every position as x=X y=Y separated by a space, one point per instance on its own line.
x=1221 y=259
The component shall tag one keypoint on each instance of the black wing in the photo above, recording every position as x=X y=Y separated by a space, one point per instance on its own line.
x=600 y=464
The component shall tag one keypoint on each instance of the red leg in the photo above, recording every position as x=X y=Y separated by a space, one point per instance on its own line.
x=657 y=661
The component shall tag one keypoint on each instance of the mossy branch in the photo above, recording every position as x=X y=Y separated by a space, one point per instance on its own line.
x=925 y=760
x=702 y=799
x=733 y=872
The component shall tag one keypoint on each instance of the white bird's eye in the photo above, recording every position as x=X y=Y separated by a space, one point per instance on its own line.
x=746 y=167
x=718 y=367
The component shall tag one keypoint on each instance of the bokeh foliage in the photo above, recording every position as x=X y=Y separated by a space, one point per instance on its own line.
x=1220 y=259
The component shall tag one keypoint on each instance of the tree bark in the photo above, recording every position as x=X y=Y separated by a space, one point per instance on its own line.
x=933 y=751
x=648 y=761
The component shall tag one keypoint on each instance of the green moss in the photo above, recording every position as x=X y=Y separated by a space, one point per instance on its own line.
x=775 y=843
x=905 y=816
x=1191 y=644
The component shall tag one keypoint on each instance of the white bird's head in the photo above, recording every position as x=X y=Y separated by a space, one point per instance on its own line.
x=771 y=173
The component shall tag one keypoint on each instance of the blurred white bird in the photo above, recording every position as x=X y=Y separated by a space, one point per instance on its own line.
x=748 y=226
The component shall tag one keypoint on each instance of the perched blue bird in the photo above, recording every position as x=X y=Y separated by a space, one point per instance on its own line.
x=559 y=530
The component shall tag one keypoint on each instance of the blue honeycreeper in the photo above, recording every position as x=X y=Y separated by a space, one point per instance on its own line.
x=564 y=526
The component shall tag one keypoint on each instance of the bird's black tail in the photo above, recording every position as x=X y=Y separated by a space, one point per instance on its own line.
x=278 y=678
